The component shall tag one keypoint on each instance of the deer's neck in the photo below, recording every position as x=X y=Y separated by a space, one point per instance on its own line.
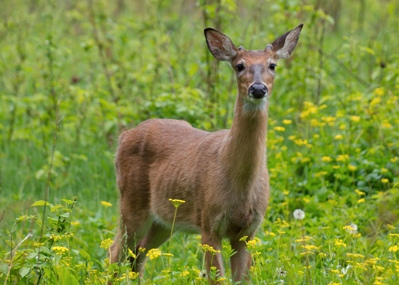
x=244 y=151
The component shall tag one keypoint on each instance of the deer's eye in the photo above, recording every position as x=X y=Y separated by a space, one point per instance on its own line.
x=240 y=67
x=272 y=66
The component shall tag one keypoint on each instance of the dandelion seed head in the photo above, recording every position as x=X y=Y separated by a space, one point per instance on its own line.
x=299 y=214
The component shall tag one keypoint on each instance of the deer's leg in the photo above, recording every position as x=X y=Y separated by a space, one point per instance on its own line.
x=155 y=237
x=134 y=225
x=213 y=259
x=241 y=261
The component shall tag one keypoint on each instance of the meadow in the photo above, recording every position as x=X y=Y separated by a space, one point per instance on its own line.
x=75 y=74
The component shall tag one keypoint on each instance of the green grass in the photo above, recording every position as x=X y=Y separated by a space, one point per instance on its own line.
x=74 y=74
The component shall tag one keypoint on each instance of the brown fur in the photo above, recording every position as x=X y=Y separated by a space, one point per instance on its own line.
x=221 y=175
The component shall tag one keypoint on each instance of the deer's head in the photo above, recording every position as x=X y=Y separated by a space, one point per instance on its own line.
x=255 y=69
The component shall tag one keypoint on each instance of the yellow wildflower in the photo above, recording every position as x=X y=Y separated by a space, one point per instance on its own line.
x=106 y=204
x=287 y=122
x=379 y=91
x=339 y=242
x=352 y=167
x=354 y=255
x=326 y=159
x=394 y=248
x=105 y=244
x=176 y=202
x=362 y=200
x=339 y=137
x=59 y=249
x=342 y=157
x=210 y=249
x=154 y=253
x=394 y=159
x=360 y=193
x=355 y=119
x=279 y=129
x=384 y=180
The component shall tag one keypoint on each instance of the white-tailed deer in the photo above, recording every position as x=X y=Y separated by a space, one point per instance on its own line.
x=221 y=176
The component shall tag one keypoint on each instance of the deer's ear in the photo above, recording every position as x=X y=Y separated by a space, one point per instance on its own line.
x=285 y=45
x=220 y=45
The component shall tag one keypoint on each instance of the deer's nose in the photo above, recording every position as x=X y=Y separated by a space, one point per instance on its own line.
x=258 y=90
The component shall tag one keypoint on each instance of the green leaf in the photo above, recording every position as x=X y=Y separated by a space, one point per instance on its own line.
x=41 y=203
x=23 y=271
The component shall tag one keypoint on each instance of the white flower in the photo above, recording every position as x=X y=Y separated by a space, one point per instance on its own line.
x=299 y=214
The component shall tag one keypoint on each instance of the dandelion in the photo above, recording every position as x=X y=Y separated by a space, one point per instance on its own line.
x=105 y=244
x=299 y=214
x=177 y=202
x=106 y=204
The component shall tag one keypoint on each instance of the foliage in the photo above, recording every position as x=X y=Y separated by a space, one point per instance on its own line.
x=74 y=74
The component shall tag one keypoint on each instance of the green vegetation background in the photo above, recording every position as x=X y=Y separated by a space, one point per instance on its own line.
x=75 y=74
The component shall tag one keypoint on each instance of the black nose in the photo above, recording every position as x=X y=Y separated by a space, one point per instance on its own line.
x=258 y=90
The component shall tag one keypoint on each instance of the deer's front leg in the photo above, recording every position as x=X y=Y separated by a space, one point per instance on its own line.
x=213 y=257
x=241 y=261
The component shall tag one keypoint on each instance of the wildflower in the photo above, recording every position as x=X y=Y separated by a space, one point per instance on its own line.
x=210 y=249
x=105 y=244
x=59 y=249
x=360 y=193
x=391 y=227
x=304 y=239
x=362 y=200
x=326 y=159
x=279 y=129
x=270 y=234
x=352 y=228
x=133 y=275
x=281 y=272
x=106 y=204
x=154 y=253
x=379 y=91
x=287 y=122
x=300 y=142
x=352 y=167
x=184 y=273
x=384 y=170
x=339 y=137
x=384 y=180
x=131 y=253
x=75 y=223
x=342 y=157
x=339 y=242
x=394 y=248
x=221 y=279
x=355 y=119
x=299 y=214
x=394 y=159
x=354 y=255
x=177 y=202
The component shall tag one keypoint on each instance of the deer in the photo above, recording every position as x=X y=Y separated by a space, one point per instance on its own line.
x=222 y=176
